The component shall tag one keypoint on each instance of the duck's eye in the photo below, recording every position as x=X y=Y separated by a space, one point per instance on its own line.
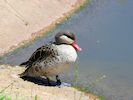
x=71 y=36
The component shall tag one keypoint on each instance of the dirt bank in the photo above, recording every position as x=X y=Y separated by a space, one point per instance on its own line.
x=18 y=89
x=23 y=20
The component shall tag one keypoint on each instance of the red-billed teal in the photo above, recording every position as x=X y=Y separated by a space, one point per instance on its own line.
x=53 y=58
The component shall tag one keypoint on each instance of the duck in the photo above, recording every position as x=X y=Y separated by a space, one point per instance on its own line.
x=53 y=58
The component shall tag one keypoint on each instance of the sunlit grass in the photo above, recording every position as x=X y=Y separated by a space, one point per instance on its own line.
x=35 y=98
x=5 y=97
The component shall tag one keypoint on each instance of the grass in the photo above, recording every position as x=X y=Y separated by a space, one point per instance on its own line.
x=101 y=98
x=35 y=98
x=5 y=97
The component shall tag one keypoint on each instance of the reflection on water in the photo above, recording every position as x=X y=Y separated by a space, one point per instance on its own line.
x=104 y=31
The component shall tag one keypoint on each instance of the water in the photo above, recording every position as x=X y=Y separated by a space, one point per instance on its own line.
x=104 y=31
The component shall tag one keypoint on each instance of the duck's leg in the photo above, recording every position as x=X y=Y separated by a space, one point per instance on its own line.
x=48 y=81
x=58 y=82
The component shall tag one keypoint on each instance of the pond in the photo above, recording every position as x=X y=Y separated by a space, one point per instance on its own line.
x=104 y=30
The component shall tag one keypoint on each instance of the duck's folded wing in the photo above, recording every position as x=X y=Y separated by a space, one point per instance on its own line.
x=41 y=53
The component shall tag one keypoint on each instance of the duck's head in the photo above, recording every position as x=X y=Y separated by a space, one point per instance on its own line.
x=67 y=38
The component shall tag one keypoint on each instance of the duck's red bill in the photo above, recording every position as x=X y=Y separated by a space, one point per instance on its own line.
x=76 y=46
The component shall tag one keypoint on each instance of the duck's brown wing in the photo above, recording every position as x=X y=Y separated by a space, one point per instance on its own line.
x=41 y=53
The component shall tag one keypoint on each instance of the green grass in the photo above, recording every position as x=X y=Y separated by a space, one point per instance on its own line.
x=5 y=97
x=101 y=97
x=35 y=98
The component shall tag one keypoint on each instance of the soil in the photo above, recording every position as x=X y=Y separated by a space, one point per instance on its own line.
x=21 y=21
x=18 y=89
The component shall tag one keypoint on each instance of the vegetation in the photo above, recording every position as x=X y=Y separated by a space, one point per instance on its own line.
x=5 y=97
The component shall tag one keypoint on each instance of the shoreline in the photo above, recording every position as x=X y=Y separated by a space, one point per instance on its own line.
x=42 y=32
x=18 y=89
x=75 y=7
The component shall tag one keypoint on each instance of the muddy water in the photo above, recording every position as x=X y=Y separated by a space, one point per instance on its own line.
x=104 y=31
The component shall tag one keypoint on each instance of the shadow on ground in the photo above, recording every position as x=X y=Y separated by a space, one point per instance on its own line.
x=39 y=81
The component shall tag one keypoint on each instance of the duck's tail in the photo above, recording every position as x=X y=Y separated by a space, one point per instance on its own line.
x=24 y=63
x=25 y=73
